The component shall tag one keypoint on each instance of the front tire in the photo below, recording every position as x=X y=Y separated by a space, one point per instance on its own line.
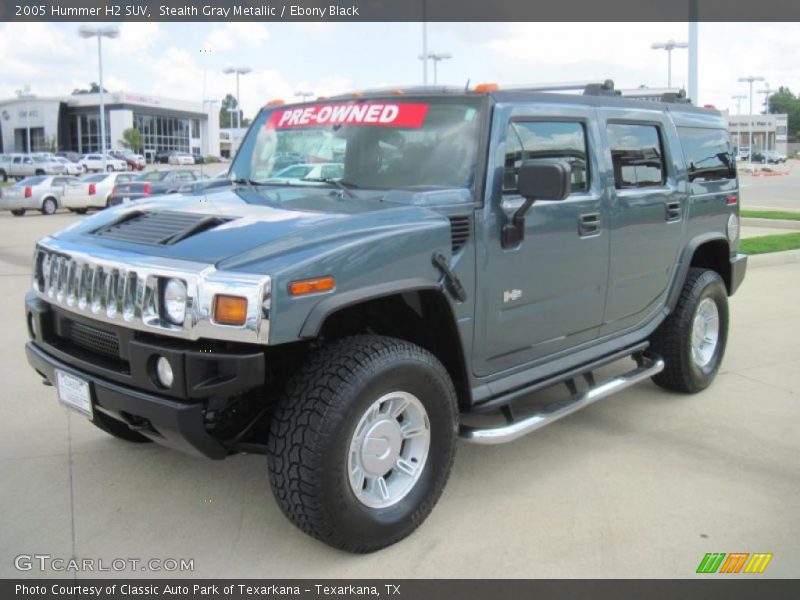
x=692 y=339
x=361 y=444
x=18 y=212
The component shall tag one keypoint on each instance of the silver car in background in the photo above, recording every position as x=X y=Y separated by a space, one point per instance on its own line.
x=92 y=191
x=19 y=166
x=42 y=193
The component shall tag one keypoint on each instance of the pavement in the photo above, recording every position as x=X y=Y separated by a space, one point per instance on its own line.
x=642 y=484
x=777 y=191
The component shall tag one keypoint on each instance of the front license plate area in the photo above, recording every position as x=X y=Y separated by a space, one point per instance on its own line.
x=74 y=393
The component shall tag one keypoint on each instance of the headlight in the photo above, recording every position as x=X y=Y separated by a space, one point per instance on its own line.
x=733 y=228
x=175 y=301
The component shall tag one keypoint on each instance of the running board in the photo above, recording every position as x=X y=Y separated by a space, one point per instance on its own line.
x=516 y=428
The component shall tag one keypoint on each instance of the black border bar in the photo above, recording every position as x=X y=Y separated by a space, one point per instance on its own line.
x=402 y=10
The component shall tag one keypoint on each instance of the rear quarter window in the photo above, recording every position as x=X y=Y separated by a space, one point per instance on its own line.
x=708 y=154
x=637 y=155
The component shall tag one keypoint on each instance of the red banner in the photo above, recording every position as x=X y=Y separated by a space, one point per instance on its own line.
x=375 y=114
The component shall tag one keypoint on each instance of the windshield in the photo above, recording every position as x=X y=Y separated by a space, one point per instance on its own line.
x=381 y=144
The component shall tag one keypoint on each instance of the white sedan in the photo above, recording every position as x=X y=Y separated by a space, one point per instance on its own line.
x=180 y=158
x=96 y=162
x=70 y=168
x=92 y=191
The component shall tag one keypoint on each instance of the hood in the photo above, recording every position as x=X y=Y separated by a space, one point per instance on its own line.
x=234 y=227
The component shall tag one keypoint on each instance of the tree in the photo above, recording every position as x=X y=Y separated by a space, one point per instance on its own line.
x=132 y=139
x=227 y=113
x=94 y=88
x=785 y=102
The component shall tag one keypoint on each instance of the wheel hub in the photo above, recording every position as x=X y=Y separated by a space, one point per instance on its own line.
x=388 y=449
x=705 y=332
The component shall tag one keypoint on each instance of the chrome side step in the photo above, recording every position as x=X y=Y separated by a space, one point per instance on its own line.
x=516 y=428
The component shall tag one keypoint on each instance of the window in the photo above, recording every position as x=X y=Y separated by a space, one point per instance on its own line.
x=637 y=156
x=708 y=154
x=546 y=139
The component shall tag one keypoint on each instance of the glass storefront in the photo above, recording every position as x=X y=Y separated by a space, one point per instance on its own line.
x=84 y=133
x=163 y=133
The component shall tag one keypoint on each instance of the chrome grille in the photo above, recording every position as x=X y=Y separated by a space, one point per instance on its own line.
x=95 y=340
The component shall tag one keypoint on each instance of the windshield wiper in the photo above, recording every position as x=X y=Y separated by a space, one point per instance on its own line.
x=345 y=186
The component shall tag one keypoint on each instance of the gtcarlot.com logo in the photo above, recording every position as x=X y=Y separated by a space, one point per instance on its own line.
x=47 y=562
x=735 y=562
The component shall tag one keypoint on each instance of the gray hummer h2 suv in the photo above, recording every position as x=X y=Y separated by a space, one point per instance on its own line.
x=384 y=270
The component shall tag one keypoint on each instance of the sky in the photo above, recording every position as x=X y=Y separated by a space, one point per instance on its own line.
x=185 y=60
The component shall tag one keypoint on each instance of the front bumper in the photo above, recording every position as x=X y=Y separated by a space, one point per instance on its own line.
x=738 y=269
x=127 y=390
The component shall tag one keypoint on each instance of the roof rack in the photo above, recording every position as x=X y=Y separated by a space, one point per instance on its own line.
x=603 y=87
x=669 y=95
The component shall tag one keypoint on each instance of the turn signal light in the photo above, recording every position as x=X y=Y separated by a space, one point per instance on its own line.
x=482 y=88
x=230 y=310
x=311 y=286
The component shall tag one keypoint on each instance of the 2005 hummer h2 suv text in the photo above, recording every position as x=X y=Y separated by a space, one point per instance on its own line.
x=456 y=252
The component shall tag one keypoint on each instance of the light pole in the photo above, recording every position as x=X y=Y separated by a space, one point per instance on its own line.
x=750 y=79
x=766 y=91
x=109 y=31
x=239 y=71
x=424 y=55
x=25 y=94
x=435 y=57
x=739 y=98
x=669 y=46
x=303 y=94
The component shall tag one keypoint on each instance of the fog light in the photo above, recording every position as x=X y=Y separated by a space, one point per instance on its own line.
x=164 y=372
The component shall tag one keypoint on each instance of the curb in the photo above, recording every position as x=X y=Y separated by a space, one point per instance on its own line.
x=770 y=223
x=773 y=259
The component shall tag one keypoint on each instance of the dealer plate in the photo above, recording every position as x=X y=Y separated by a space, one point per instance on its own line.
x=74 y=392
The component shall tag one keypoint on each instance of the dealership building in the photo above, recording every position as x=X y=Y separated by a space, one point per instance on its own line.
x=73 y=123
x=769 y=131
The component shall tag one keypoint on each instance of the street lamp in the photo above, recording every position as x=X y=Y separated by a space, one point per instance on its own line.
x=435 y=57
x=109 y=31
x=669 y=46
x=739 y=98
x=239 y=71
x=766 y=91
x=750 y=79
x=25 y=94
x=303 y=94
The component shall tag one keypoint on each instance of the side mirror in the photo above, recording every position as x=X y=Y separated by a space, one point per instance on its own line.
x=537 y=179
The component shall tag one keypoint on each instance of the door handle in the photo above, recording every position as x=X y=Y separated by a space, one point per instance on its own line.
x=673 y=211
x=589 y=224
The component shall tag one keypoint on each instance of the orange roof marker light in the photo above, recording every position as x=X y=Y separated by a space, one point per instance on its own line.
x=320 y=98
x=397 y=92
x=483 y=88
x=276 y=102
x=311 y=286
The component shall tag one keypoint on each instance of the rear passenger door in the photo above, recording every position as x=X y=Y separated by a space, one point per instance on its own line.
x=647 y=215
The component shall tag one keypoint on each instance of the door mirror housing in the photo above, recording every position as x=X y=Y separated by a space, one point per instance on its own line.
x=537 y=179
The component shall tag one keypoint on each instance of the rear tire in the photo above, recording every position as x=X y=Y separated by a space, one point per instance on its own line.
x=117 y=429
x=692 y=339
x=49 y=206
x=353 y=393
x=18 y=212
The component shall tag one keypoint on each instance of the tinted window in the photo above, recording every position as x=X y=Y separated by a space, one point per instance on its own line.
x=546 y=139
x=153 y=176
x=637 y=156
x=708 y=154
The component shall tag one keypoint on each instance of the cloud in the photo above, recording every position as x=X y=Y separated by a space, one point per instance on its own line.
x=232 y=35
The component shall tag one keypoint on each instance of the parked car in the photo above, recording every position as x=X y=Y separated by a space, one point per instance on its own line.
x=19 y=166
x=286 y=159
x=97 y=162
x=181 y=158
x=486 y=244
x=202 y=186
x=152 y=184
x=162 y=156
x=70 y=156
x=769 y=157
x=308 y=172
x=41 y=192
x=135 y=162
x=743 y=153
x=70 y=168
x=93 y=191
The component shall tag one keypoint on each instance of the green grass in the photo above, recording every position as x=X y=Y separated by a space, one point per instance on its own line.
x=771 y=214
x=770 y=243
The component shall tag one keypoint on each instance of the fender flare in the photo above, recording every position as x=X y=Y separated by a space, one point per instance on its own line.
x=313 y=323
x=685 y=262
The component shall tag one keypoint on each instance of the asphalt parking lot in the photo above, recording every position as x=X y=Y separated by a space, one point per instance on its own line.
x=642 y=484
x=771 y=191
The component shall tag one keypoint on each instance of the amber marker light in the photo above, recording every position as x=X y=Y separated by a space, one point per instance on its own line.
x=230 y=310
x=483 y=88
x=311 y=286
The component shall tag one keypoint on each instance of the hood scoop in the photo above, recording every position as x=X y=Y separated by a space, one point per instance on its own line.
x=160 y=228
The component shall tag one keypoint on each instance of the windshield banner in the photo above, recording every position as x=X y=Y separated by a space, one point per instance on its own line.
x=376 y=114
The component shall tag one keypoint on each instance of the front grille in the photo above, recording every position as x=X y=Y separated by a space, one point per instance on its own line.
x=94 y=340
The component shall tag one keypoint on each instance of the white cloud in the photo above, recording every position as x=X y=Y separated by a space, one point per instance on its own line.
x=232 y=35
